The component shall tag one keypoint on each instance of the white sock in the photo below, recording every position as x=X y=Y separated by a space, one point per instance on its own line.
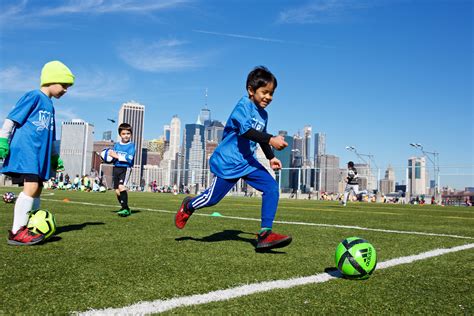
x=36 y=204
x=23 y=205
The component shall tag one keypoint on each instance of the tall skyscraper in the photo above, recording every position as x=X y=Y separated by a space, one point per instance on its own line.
x=387 y=184
x=417 y=175
x=175 y=136
x=298 y=144
x=214 y=131
x=189 y=131
x=205 y=116
x=285 y=156
x=76 y=148
x=319 y=144
x=196 y=159
x=330 y=174
x=307 y=145
x=133 y=113
x=319 y=150
x=170 y=163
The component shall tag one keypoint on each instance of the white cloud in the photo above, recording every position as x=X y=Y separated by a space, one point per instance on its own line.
x=65 y=114
x=90 y=84
x=325 y=11
x=98 y=84
x=13 y=10
x=161 y=56
x=113 y=6
x=18 y=79
x=26 y=13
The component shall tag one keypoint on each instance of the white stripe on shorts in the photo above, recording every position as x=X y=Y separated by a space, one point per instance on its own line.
x=127 y=177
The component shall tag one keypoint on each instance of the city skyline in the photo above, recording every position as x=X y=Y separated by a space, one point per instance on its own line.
x=376 y=75
x=195 y=157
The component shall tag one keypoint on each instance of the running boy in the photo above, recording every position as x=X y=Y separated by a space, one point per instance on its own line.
x=27 y=144
x=235 y=159
x=352 y=184
x=124 y=152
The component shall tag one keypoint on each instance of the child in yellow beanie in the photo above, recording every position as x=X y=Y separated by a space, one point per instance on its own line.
x=27 y=147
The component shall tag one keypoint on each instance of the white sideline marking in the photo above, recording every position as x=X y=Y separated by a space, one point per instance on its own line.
x=159 y=306
x=287 y=222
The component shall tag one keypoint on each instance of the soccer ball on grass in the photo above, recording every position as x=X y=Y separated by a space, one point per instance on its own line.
x=42 y=222
x=8 y=197
x=355 y=258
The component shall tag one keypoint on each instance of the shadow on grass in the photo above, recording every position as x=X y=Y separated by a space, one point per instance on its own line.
x=68 y=228
x=334 y=272
x=224 y=235
x=227 y=235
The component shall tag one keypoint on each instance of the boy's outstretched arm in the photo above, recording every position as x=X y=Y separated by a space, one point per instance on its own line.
x=277 y=142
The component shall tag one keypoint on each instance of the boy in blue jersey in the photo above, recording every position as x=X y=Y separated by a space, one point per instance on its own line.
x=27 y=144
x=235 y=159
x=124 y=153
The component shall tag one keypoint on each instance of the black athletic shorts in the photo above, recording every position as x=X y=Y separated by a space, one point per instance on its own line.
x=120 y=176
x=21 y=178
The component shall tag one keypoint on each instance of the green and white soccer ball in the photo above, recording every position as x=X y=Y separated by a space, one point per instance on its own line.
x=356 y=258
x=42 y=222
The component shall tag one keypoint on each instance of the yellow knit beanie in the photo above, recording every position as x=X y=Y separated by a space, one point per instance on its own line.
x=56 y=72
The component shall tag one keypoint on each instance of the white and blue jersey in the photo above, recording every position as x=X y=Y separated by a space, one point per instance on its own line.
x=235 y=155
x=126 y=153
x=33 y=139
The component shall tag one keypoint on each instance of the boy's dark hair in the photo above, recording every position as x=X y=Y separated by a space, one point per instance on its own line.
x=125 y=127
x=350 y=164
x=260 y=76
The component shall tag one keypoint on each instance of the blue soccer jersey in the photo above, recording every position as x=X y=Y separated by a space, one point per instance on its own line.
x=34 y=135
x=126 y=153
x=235 y=155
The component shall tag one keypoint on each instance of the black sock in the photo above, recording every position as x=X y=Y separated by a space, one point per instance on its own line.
x=124 y=200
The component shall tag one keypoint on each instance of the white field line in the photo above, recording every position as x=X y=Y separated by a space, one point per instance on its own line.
x=286 y=222
x=159 y=306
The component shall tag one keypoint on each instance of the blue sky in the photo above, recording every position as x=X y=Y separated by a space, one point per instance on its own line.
x=377 y=75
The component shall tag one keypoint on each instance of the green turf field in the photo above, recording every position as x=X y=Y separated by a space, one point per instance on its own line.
x=98 y=260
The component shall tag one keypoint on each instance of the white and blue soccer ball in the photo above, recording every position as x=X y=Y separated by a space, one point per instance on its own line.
x=9 y=197
x=104 y=154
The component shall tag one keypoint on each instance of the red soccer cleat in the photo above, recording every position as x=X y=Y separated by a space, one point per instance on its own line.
x=268 y=240
x=24 y=237
x=183 y=214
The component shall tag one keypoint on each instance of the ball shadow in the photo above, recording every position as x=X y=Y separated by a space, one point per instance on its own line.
x=68 y=228
x=334 y=272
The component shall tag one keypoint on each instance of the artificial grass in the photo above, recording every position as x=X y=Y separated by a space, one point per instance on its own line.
x=99 y=260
